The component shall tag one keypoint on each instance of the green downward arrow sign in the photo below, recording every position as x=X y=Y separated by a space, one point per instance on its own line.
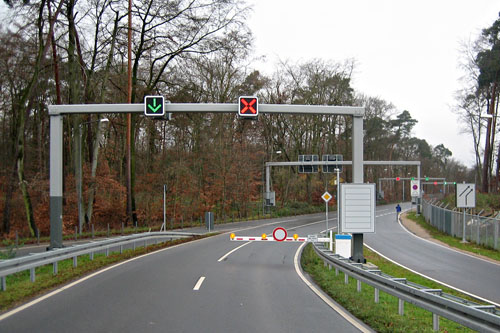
x=154 y=107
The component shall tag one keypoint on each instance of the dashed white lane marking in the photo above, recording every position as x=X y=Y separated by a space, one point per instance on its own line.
x=57 y=291
x=198 y=284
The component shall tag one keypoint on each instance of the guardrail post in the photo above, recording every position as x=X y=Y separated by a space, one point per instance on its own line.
x=32 y=274
x=435 y=322
x=401 y=306
x=122 y=228
x=4 y=283
x=75 y=261
x=91 y=255
x=121 y=249
x=346 y=278
x=377 y=295
x=336 y=271
x=54 y=268
x=107 y=252
x=358 y=286
x=76 y=234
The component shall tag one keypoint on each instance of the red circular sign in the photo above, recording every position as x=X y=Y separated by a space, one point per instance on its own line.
x=279 y=234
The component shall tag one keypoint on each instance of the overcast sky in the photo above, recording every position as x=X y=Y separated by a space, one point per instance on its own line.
x=407 y=52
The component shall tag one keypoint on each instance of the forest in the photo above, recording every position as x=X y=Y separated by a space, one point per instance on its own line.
x=196 y=51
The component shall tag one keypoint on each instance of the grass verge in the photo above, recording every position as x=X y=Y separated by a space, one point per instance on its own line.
x=453 y=241
x=382 y=317
x=20 y=289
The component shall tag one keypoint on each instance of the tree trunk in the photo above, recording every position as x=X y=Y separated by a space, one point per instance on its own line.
x=487 y=148
x=92 y=187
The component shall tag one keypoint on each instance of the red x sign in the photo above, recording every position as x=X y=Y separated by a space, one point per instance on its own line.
x=248 y=106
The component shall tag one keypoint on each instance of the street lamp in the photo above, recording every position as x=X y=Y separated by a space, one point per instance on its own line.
x=79 y=171
x=337 y=170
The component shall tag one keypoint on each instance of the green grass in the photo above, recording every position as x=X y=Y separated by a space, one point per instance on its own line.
x=20 y=289
x=453 y=241
x=382 y=317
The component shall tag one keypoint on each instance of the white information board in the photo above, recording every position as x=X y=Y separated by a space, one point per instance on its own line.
x=357 y=208
x=466 y=195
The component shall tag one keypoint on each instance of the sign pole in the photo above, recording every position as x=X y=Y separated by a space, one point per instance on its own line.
x=326 y=213
x=164 y=226
x=338 y=213
x=463 y=231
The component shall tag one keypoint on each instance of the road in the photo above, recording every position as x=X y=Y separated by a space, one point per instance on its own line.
x=255 y=288
x=461 y=271
x=244 y=287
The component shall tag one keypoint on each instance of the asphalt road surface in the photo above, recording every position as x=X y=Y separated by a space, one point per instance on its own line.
x=195 y=287
x=472 y=275
x=214 y=285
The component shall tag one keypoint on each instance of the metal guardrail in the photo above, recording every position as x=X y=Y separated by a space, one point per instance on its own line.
x=479 y=229
x=484 y=318
x=34 y=260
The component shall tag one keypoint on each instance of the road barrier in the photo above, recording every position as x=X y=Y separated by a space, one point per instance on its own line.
x=479 y=229
x=483 y=318
x=34 y=260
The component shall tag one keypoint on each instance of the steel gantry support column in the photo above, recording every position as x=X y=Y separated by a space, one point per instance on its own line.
x=357 y=178
x=56 y=183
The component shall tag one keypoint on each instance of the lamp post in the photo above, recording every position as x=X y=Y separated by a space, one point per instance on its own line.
x=337 y=170
x=79 y=171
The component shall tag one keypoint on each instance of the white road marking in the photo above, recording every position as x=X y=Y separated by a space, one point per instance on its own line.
x=428 y=277
x=346 y=315
x=233 y=250
x=198 y=284
x=446 y=247
x=57 y=291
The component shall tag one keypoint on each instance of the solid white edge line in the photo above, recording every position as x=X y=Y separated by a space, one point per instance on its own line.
x=233 y=250
x=445 y=247
x=346 y=315
x=432 y=279
x=198 y=284
x=57 y=291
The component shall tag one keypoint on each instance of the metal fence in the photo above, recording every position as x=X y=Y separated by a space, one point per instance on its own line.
x=32 y=261
x=479 y=229
x=483 y=318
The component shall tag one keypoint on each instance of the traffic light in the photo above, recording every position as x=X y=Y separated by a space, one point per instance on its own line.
x=435 y=183
x=398 y=179
x=426 y=179
x=154 y=106
x=412 y=178
x=248 y=107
